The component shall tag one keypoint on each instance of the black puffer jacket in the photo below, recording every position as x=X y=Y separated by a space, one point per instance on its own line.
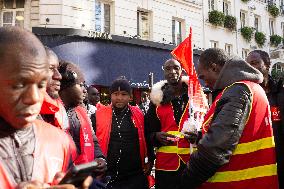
x=231 y=113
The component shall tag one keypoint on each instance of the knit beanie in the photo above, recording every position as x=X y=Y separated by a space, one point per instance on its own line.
x=120 y=84
x=71 y=74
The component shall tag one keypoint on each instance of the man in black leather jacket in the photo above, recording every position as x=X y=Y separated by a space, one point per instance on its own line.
x=275 y=94
x=231 y=113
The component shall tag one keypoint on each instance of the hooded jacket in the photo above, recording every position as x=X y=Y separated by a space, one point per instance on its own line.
x=227 y=124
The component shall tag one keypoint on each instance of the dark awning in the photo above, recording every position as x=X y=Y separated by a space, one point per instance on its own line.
x=102 y=61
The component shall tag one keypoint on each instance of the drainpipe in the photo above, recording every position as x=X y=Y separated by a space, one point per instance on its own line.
x=203 y=17
x=237 y=44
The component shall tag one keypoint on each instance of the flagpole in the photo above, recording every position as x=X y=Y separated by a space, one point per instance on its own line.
x=198 y=105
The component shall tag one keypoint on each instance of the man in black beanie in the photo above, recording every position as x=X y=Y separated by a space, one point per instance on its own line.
x=120 y=131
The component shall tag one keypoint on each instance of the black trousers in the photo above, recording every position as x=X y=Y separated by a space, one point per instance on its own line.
x=279 y=148
x=169 y=179
x=132 y=182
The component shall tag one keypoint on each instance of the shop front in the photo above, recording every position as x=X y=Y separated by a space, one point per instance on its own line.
x=104 y=57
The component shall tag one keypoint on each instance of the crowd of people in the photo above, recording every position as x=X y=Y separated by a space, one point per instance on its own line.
x=51 y=121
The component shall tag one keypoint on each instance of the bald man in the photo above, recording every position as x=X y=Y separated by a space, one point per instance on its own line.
x=164 y=120
x=31 y=151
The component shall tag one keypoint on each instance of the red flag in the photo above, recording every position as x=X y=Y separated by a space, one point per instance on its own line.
x=198 y=102
x=183 y=53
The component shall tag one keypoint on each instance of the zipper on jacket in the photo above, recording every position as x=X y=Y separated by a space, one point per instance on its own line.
x=16 y=145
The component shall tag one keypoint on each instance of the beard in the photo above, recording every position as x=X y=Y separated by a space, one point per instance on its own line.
x=174 y=82
x=53 y=95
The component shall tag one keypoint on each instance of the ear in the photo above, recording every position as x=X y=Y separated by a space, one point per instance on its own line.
x=267 y=67
x=214 y=67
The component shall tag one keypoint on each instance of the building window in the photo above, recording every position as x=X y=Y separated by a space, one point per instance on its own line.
x=243 y=19
x=176 y=31
x=245 y=53
x=143 y=25
x=278 y=67
x=282 y=29
x=281 y=4
x=102 y=17
x=271 y=27
x=214 y=44
x=13 y=13
x=211 y=4
x=271 y=2
x=277 y=70
x=229 y=49
x=226 y=7
x=256 y=23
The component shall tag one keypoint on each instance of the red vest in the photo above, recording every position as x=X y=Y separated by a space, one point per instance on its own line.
x=55 y=107
x=253 y=163
x=104 y=122
x=99 y=105
x=51 y=106
x=53 y=152
x=168 y=157
x=86 y=137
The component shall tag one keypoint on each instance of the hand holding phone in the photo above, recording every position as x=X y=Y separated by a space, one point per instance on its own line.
x=78 y=173
x=101 y=168
x=164 y=137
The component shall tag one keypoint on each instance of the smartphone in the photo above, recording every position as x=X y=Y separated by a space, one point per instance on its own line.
x=78 y=173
